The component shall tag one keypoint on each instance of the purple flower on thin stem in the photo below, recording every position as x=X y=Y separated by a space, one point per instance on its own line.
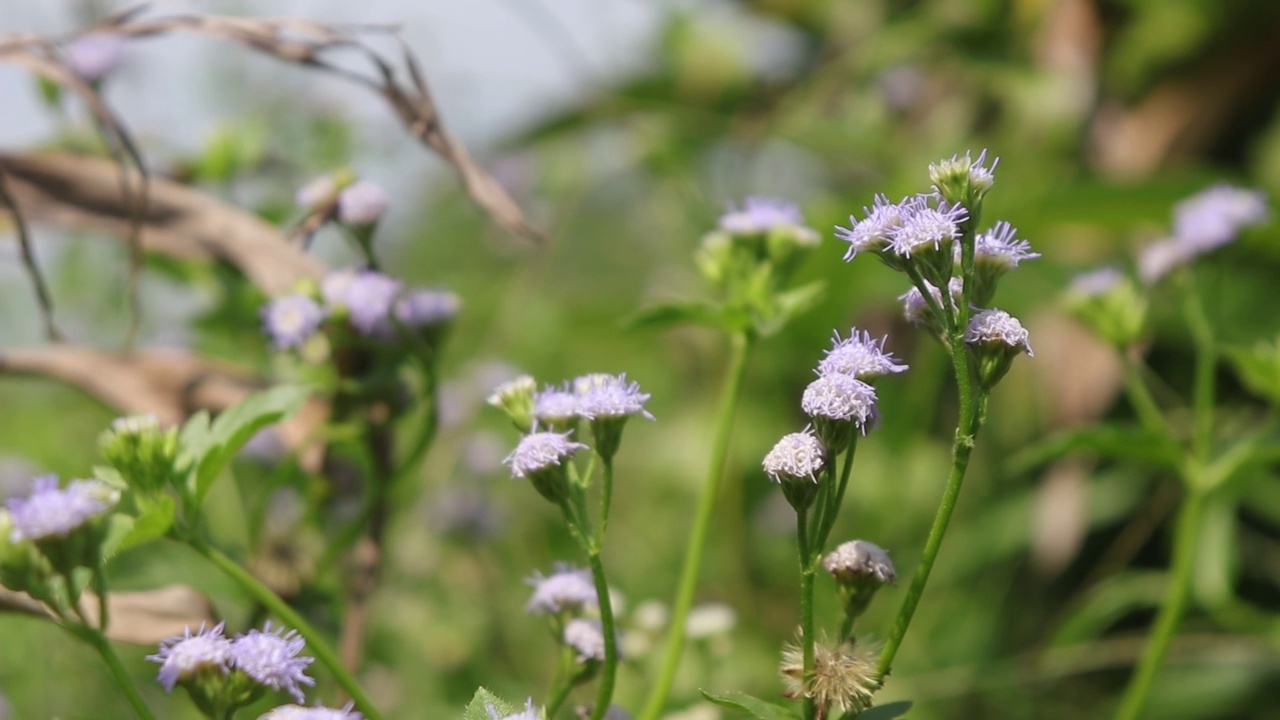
x=874 y=232
x=556 y=406
x=760 y=215
x=300 y=712
x=609 y=396
x=271 y=658
x=997 y=327
x=586 y=637
x=369 y=299
x=925 y=226
x=840 y=397
x=52 y=511
x=184 y=656
x=291 y=320
x=567 y=589
x=1000 y=247
x=362 y=203
x=94 y=55
x=859 y=356
x=795 y=456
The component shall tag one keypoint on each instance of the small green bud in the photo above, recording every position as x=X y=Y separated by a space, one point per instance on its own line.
x=964 y=181
x=141 y=451
x=515 y=398
x=1110 y=304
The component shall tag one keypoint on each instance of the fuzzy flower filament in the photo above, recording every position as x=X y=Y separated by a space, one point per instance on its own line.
x=607 y=402
x=996 y=337
x=541 y=457
x=794 y=463
x=270 y=657
x=839 y=405
x=860 y=568
x=51 y=512
x=188 y=658
x=567 y=590
x=858 y=356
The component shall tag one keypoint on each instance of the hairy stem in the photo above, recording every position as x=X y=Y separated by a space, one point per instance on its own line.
x=118 y=672
x=701 y=525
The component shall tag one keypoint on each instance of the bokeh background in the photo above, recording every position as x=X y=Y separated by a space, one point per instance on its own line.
x=624 y=127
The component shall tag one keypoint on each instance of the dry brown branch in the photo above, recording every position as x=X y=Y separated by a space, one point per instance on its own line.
x=79 y=192
x=142 y=618
x=312 y=44
x=171 y=384
x=29 y=261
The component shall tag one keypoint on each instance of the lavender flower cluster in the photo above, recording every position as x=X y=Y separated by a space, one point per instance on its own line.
x=52 y=511
x=269 y=657
x=373 y=304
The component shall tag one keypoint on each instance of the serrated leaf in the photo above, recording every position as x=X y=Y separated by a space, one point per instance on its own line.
x=232 y=429
x=753 y=706
x=888 y=711
x=478 y=708
x=678 y=312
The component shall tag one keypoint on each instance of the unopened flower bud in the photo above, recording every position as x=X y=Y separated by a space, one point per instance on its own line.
x=142 y=451
x=515 y=398
x=964 y=180
x=860 y=568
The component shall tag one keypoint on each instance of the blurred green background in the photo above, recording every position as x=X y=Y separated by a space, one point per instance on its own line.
x=1103 y=114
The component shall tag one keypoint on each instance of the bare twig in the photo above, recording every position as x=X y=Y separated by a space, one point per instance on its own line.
x=29 y=261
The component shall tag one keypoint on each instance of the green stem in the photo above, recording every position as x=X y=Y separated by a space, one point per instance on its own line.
x=563 y=682
x=701 y=524
x=1143 y=402
x=610 y=670
x=1171 y=608
x=606 y=497
x=961 y=451
x=316 y=643
x=1206 y=362
x=830 y=521
x=118 y=672
x=806 y=609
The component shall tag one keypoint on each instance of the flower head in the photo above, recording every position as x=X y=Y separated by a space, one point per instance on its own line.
x=917 y=311
x=184 y=656
x=515 y=397
x=271 y=658
x=369 y=299
x=859 y=356
x=843 y=677
x=760 y=215
x=859 y=558
x=567 y=589
x=873 y=232
x=796 y=456
x=998 y=327
x=94 y=55
x=300 y=712
x=51 y=511
x=291 y=320
x=425 y=307
x=964 y=180
x=362 y=203
x=540 y=450
x=557 y=407
x=600 y=395
x=586 y=637
x=840 y=397
x=1000 y=247
x=927 y=225
x=1213 y=217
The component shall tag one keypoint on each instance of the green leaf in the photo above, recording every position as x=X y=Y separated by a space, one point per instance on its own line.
x=678 y=312
x=1107 y=602
x=887 y=711
x=206 y=447
x=753 y=706
x=152 y=524
x=478 y=708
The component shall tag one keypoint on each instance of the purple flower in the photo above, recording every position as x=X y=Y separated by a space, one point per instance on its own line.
x=916 y=310
x=795 y=456
x=425 y=307
x=540 y=450
x=362 y=203
x=609 y=396
x=924 y=226
x=1096 y=282
x=586 y=637
x=859 y=356
x=52 y=511
x=369 y=299
x=291 y=320
x=1213 y=217
x=94 y=55
x=184 y=656
x=567 y=589
x=556 y=405
x=997 y=327
x=760 y=215
x=860 y=559
x=874 y=232
x=1000 y=247
x=840 y=397
x=270 y=657
x=299 y=712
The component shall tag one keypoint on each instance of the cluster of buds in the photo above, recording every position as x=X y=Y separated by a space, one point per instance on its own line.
x=221 y=674
x=1114 y=304
x=354 y=202
x=143 y=452
x=361 y=303
x=932 y=239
